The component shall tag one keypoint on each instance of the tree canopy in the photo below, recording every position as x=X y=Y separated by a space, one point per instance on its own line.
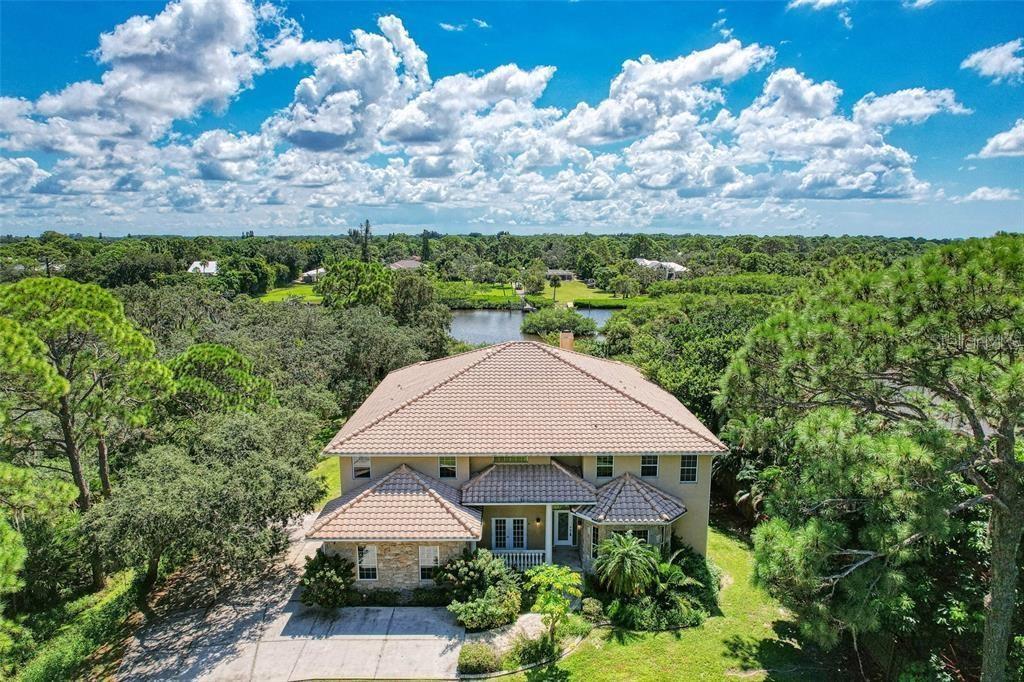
x=888 y=407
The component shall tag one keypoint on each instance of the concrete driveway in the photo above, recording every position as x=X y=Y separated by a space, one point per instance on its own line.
x=264 y=633
x=291 y=642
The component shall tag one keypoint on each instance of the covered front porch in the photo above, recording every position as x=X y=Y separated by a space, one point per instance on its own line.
x=525 y=536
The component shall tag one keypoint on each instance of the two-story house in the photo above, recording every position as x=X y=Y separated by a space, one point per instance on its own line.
x=534 y=452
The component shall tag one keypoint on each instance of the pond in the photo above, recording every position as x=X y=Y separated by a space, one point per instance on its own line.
x=498 y=326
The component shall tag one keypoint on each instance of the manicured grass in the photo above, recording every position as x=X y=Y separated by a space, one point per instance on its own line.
x=330 y=470
x=303 y=291
x=753 y=638
x=577 y=291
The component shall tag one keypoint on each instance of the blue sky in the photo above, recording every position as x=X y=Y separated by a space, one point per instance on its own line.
x=817 y=116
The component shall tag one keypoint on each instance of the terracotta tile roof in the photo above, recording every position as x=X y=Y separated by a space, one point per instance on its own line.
x=628 y=499
x=527 y=483
x=402 y=505
x=520 y=398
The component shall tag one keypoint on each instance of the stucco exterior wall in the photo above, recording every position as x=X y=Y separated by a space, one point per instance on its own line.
x=398 y=563
x=380 y=466
x=691 y=527
x=531 y=512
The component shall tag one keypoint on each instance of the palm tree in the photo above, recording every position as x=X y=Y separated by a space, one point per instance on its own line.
x=671 y=581
x=626 y=564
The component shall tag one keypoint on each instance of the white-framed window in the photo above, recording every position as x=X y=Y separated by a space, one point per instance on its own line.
x=360 y=467
x=641 y=533
x=447 y=467
x=605 y=466
x=649 y=466
x=688 y=469
x=508 y=533
x=512 y=459
x=595 y=540
x=429 y=561
x=366 y=560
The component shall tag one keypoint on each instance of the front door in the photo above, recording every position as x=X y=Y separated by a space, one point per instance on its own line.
x=563 y=528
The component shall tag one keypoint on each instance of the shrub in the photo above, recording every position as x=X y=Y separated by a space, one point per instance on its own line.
x=430 y=596
x=702 y=570
x=645 y=613
x=327 y=580
x=574 y=626
x=477 y=658
x=526 y=651
x=549 y=320
x=468 y=576
x=381 y=597
x=499 y=605
x=593 y=609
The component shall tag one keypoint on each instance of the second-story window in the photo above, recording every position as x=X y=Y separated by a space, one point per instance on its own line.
x=688 y=469
x=447 y=467
x=649 y=466
x=605 y=466
x=360 y=467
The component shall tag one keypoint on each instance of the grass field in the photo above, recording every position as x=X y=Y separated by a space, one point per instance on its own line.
x=753 y=638
x=303 y=291
x=330 y=470
x=579 y=293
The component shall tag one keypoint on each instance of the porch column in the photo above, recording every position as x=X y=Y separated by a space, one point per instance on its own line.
x=548 y=530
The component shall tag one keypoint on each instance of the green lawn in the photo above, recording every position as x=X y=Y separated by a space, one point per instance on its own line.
x=303 y=291
x=578 y=292
x=753 y=638
x=329 y=469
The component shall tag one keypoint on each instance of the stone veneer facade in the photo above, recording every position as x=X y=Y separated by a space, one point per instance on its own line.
x=398 y=563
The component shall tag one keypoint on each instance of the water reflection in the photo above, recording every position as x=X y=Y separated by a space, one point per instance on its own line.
x=497 y=326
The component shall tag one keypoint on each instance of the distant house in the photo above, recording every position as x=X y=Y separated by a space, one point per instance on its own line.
x=463 y=452
x=204 y=267
x=564 y=275
x=311 y=276
x=410 y=263
x=671 y=270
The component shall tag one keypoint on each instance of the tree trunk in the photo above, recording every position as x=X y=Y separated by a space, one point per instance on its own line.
x=74 y=458
x=1006 y=530
x=84 y=501
x=152 y=569
x=104 y=464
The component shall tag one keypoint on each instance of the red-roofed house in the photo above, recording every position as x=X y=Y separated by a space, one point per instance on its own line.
x=534 y=452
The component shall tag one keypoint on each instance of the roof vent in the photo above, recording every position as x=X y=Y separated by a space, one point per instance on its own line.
x=566 y=341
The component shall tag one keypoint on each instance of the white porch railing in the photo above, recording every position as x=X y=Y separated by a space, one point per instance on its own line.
x=521 y=559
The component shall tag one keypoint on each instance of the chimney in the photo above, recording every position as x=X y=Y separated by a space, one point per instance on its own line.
x=565 y=340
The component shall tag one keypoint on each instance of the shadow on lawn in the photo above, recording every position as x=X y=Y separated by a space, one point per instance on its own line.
x=785 y=658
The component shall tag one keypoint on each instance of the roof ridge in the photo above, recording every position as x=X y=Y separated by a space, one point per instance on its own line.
x=440 y=499
x=479 y=477
x=401 y=406
x=362 y=494
x=646 y=494
x=565 y=470
x=615 y=492
x=550 y=351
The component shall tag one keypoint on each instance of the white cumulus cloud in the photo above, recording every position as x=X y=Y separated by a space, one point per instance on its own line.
x=1003 y=62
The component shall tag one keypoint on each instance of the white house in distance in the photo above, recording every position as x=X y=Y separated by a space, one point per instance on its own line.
x=311 y=276
x=203 y=267
x=671 y=270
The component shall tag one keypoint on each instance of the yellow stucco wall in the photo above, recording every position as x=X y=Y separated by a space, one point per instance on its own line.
x=531 y=512
x=692 y=527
